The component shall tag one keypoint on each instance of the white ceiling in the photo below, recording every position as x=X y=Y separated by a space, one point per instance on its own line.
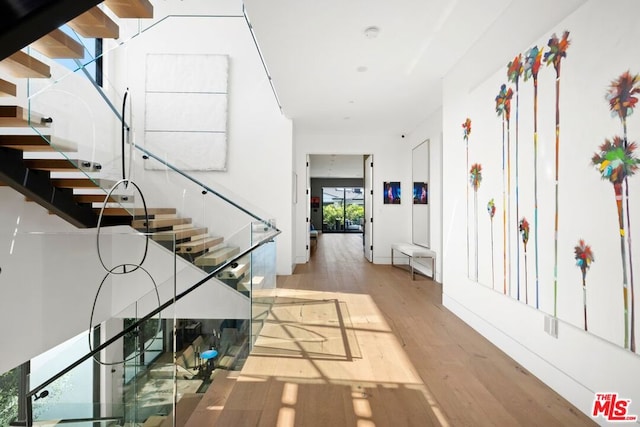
x=313 y=50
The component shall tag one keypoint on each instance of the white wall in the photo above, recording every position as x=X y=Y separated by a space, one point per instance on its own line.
x=431 y=130
x=45 y=298
x=259 y=170
x=577 y=364
x=392 y=162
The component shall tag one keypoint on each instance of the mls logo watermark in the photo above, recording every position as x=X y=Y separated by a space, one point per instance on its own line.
x=612 y=408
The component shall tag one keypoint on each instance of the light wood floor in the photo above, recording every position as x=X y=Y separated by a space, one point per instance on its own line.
x=348 y=343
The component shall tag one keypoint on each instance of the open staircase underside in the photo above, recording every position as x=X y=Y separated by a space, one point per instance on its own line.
x=61 y=196
x=23 y=23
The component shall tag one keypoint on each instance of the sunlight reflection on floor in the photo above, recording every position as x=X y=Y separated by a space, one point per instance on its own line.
x=337 y=347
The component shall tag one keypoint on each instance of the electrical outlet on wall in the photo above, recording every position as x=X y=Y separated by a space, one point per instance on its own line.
x=551 y=325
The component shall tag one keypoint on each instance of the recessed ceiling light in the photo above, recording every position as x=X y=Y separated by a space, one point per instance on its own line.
x=371 y=32
x=362 y=69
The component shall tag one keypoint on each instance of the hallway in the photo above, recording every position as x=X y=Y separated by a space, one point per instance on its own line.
x=349 y=343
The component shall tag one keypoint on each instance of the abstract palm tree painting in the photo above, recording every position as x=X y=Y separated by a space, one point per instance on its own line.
x=503 y=108
x=557 y=51
x=475 y=178
x=584 y=258
x=491 y=209
x=532 y=62
x=616 y=162
x=466 y=128
x=524 y=233
x=621 y=97
x=622 y=101
x=514 y=72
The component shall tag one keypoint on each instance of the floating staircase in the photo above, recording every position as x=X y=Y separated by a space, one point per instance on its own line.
x=60 y=195
x=73 y=188
x=53 y=182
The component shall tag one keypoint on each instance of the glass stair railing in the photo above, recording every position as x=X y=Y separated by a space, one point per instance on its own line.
x=134 y=362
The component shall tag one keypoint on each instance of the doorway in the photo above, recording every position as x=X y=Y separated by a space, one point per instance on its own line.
x=342 y=209
x=338 y=197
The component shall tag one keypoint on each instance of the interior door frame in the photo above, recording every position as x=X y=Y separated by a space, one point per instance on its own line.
x=368 y=225
x=308 y=208
x=367 y=234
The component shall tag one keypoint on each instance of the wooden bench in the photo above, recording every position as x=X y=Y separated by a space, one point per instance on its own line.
x=313 y=238
x=415 y=251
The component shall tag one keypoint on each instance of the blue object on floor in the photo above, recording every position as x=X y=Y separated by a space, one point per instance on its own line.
x=209 y=354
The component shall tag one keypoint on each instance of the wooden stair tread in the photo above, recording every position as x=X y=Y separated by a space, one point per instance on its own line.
x=94 y=23
x=180 y=234
x=99 y=198
x=131 y=8
x=249 y=282
x=13 y=115
x=58 y=165
x=159 y=223
x=195 y=246
x=7 y=88
x=184 y=408
x=119 y=211
x=217 y=257
x=214 y=399
x=57 y=44
x=81 y=183
x=24 y=66
x=35 y=143
x=236 y=272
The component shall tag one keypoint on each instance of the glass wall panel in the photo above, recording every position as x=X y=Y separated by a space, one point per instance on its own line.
x=342 y=209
